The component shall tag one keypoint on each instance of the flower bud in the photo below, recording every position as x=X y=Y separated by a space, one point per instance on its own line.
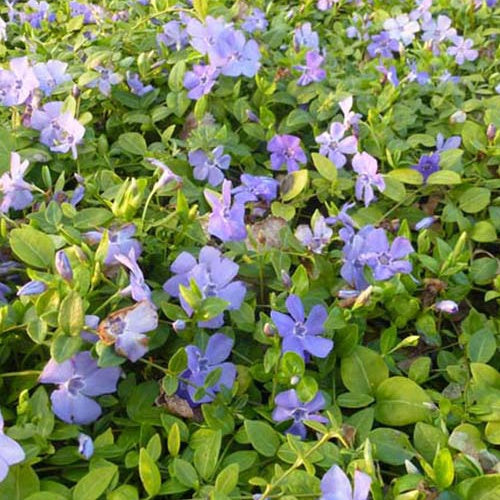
x=491 y=131
x=285 y=279
x=295 y=380
x=75 y=92
x=85 y=446
x=32 y=288
x=63 y=266
x=458 y=117
x=178 y=325
x=425 y=223
x=268 y=330
x=447 y=306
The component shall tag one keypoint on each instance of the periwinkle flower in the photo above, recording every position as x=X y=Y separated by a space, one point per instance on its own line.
x=63 y=265
x=425 y=223
x=105 y=80
x=462 y=50
x=17 y=83
x=401 y=28
x=290 y=407
x=120 y=241
x=4 y=289
x=85 y=446
x=366 y=167
x=390 y=74
x=334 y=146
x=335 y=485
x=318 y=238
x=200 y=80
x=32 y=288
x=202 y=36
x=166 y=174
x=58 y=129
x=136 y=86
x=285 y=150
x=299 y=334
x=446 y=77
x=15 y=191
x=202 y=363
x=137 y=288
x=305 y=36
x=79 y=379
x=443 y=144
x=91 y=13
x=256 y=21
x=11 y=452
x=311 y=71
x=382 y=45
x=209 y=166
x=437 y=31
x=256 y=188
x=351 y=119
x=227 y=220
x=213 y=274
x=421 y=77
x=447 y=306
x=324 y=5
x=50 y=75
x=174 y=35
x=126 y=327
x=427 y=165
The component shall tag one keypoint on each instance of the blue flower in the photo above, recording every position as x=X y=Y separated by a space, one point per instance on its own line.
x=209 y=166
x=335 y=485
x=11 y=452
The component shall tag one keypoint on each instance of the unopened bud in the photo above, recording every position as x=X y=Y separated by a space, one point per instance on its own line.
x=75 y=92
x=268 y=330
x=178 y=325
x=458 y=117
x=491 y=131
x=285 y=279
x=63 y=266
x=447 y=306
x=295 y=380
x=32 y=288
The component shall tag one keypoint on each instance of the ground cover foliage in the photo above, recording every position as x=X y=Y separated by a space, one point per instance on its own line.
x=249 y=249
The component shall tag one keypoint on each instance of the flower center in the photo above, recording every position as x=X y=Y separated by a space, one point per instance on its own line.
x=203 y=364
x=75 y=385
x=116 y=326
x=210 y=290
x=299 y=414
x=299 y=330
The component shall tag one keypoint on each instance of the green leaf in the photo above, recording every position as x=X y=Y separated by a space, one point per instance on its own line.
x=325 y=167
x=482 y=346
x=391 y=446
x=492 y=432
x=176 y=76
x=262 y=437
x=474 y=137
x=484 y=232
x=133 y=143
x=363 y=370
x=63 y=347
x=444 y=470
x=46 y=495
x=294 y=184
x=71 y=316
x=149 y=473
x=211 y=307
x=394 y=189
x=20 y=483
x=32 y=246
x=485 y=488
x=427 y=439
x=90 y=218
x=178 y=362
x=444 y=177
x=474 y=200
x=94 y=484
x=227 y=479
x=400 y=401
x=354 y=400
x=407 y=176
x=185 y=473
x=124 y=492
x=174 y=440
x=206 y=456
x=7 y=145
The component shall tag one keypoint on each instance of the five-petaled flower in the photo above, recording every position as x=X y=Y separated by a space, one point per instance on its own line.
x=366 y=167
x=302 y=335
x=11 y=452
x=285 y=150
x=335 y=485
x=16 y=192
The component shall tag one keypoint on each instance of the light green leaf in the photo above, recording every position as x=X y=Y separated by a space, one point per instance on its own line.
x=262 y=437
x=32 y=246
x=149 y=473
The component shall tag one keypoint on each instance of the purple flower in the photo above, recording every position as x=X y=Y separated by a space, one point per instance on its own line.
x=58 y=130
x=213 y=275
x=256 y=188
x=324 y=5
x=85 y=446
x=126 y=327
x=351 y=119
x=427 y=165
x=312 y=71
x=32 y=288
x=234 y=55
x=63 y=265
x=370 y=247
x=208 y=166
x=401 y=28
x=4 y=289
x=300 y=335
x=256 y=21
x=285 y=150
x=105 y=79
x=120 y=241
x=383 y=45
x=366 y=167
x=462 y=50
x=304 y=36
x=447 y=306
x=200 y=81
x=425 y=223
x=202 y=37
x=290 y=407
x=173 y=36
x=18 y=83
x=137 y=288
x=227 y=220
x=91 y=13
x=437 y=31
x=79 y=379
x=316 y=239
x=136 y=86
x=335 y=485
x=422 y=10
x=166 y=176
x=50 y=75
x=421 y=77
x=334 y=146
x=16 y=192
x=451 y=143
x=11 y=452
x=390 y=74
x=202 y=363
x=446 y=77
